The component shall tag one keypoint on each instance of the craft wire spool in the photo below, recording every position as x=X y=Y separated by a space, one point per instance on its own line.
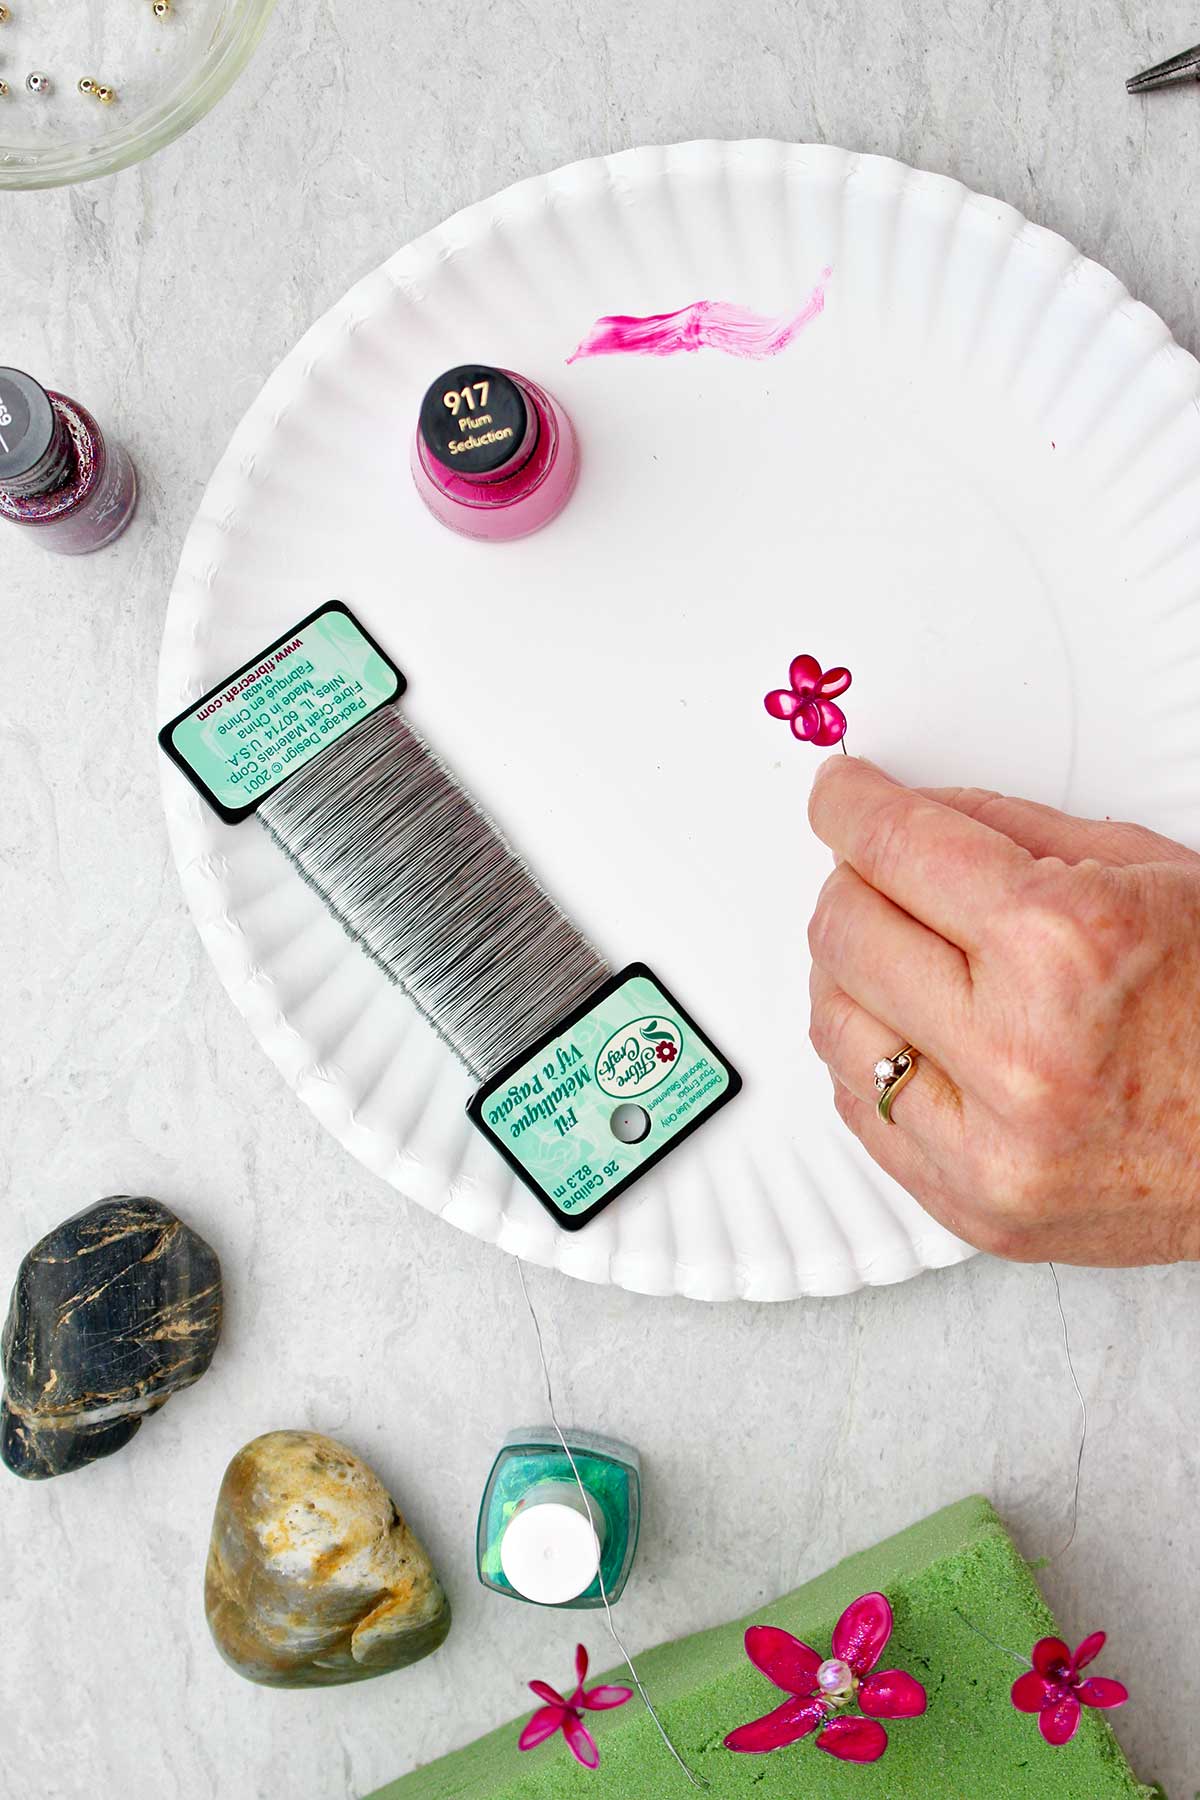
x=310 y=736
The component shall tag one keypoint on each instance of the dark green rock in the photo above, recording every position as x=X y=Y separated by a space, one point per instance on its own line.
x=111 y=1314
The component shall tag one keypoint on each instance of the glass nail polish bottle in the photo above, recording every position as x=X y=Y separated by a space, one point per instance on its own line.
x=494 y=455
x=537 y=1540
x=70 y=487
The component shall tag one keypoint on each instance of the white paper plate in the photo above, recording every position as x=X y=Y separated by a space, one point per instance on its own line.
x=975 y=480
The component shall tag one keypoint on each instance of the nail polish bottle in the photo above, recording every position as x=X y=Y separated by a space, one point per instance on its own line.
x=494 y=456
x=60 y=478
x=537 y=1540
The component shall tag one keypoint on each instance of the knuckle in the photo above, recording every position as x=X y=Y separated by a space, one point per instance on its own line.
x=1006 y=1238
x=827 y=1026
x=845 y=1103
x=887 y=836
x=1015 y=1195
x=826 y=925
x=1072 y=928
x=1031 y=1095
x=976 y=802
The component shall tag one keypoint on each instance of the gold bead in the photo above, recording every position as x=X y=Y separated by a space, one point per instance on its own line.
x=86 y=85
x=3 y=89
x=161 y=8
x=5 y=16
x=106 y=95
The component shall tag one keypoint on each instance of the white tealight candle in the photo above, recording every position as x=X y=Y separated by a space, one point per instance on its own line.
x=551 y=1547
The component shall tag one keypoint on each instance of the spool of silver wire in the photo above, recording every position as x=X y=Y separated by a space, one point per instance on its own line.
x=425 y=883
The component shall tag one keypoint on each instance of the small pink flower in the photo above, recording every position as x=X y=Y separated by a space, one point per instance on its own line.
x=808 y=703
x=1054 y=1691
x=819 y=1689
x=566 y=1716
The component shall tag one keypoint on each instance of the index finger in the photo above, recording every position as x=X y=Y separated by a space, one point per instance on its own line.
x=948 y=870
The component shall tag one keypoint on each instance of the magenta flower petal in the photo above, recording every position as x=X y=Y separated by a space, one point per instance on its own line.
x=545 y=1692
x=1029 y=1692
x=854 y=1740
x=804 y=674
x=862 y=1632
x=1050 y=1656
x=833 y=682
x=581 y=1664
x=1088 y=1651
x=807 y=722
x=1098 y=1690
x=581 y=1742
x=544 y=1723
x=782 y=703
x=597 y=1699
x=832 y=726
x=891 y=1694
x=783 y=1659
x=1057 y=1722
x=786 y=1725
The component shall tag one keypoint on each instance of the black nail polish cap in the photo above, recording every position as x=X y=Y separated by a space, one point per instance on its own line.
x=36 y=455
x=477 y=437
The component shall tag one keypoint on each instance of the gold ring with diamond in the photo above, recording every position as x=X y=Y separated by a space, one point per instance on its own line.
x=891 y=1073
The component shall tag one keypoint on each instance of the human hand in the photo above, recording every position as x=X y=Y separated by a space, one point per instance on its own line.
x=1047 y=969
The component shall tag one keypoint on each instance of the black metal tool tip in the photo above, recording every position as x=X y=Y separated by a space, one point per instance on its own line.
x=1184 y=67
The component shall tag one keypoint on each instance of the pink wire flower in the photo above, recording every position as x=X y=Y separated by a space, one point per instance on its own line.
x=819 y=1689
x=808 y=703
x=566 y=1716
x=1054 y=1691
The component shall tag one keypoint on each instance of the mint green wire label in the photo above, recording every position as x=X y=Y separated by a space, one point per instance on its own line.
x=631 y=1064
x=282 y=709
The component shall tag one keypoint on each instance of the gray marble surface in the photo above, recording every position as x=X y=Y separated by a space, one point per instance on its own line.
x=775 y=1439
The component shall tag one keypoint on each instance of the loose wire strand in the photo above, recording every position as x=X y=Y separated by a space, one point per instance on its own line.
x=1045 y=1561
x=696 y=1780
x=996 y=1645
x=1083 y=1417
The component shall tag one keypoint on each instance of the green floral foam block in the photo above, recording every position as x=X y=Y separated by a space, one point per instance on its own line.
x=971 y=1744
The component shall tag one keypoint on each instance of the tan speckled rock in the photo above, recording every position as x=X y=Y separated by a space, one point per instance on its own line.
x=313 y=1577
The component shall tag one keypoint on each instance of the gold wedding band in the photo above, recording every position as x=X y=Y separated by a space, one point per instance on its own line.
x=891 y=1073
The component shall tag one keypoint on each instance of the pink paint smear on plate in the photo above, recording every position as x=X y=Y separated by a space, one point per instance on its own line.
x=706 y=324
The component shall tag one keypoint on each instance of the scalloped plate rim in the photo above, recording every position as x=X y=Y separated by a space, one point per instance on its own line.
x=247 y=983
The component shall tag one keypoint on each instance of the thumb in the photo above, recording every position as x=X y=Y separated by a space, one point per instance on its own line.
x=1044 y=831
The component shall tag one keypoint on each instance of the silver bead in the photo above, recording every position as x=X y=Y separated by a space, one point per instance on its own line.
x=37 y=83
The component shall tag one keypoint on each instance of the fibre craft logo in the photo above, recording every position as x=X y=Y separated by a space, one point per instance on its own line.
x=639 y=1056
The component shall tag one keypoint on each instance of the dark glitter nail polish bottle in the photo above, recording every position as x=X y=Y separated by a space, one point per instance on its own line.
x=60 y=478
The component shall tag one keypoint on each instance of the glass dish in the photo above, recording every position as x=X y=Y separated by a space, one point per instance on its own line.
x=166 y=73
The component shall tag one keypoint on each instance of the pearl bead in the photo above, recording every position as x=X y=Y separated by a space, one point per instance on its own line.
x=835 y=1677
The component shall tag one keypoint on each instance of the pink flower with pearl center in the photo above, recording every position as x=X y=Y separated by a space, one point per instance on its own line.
x=819 y=1689
x=808 y=704
x=1055 y=1691
x=557 y=1714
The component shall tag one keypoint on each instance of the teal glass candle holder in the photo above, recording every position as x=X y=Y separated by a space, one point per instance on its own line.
x=537 y=1540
